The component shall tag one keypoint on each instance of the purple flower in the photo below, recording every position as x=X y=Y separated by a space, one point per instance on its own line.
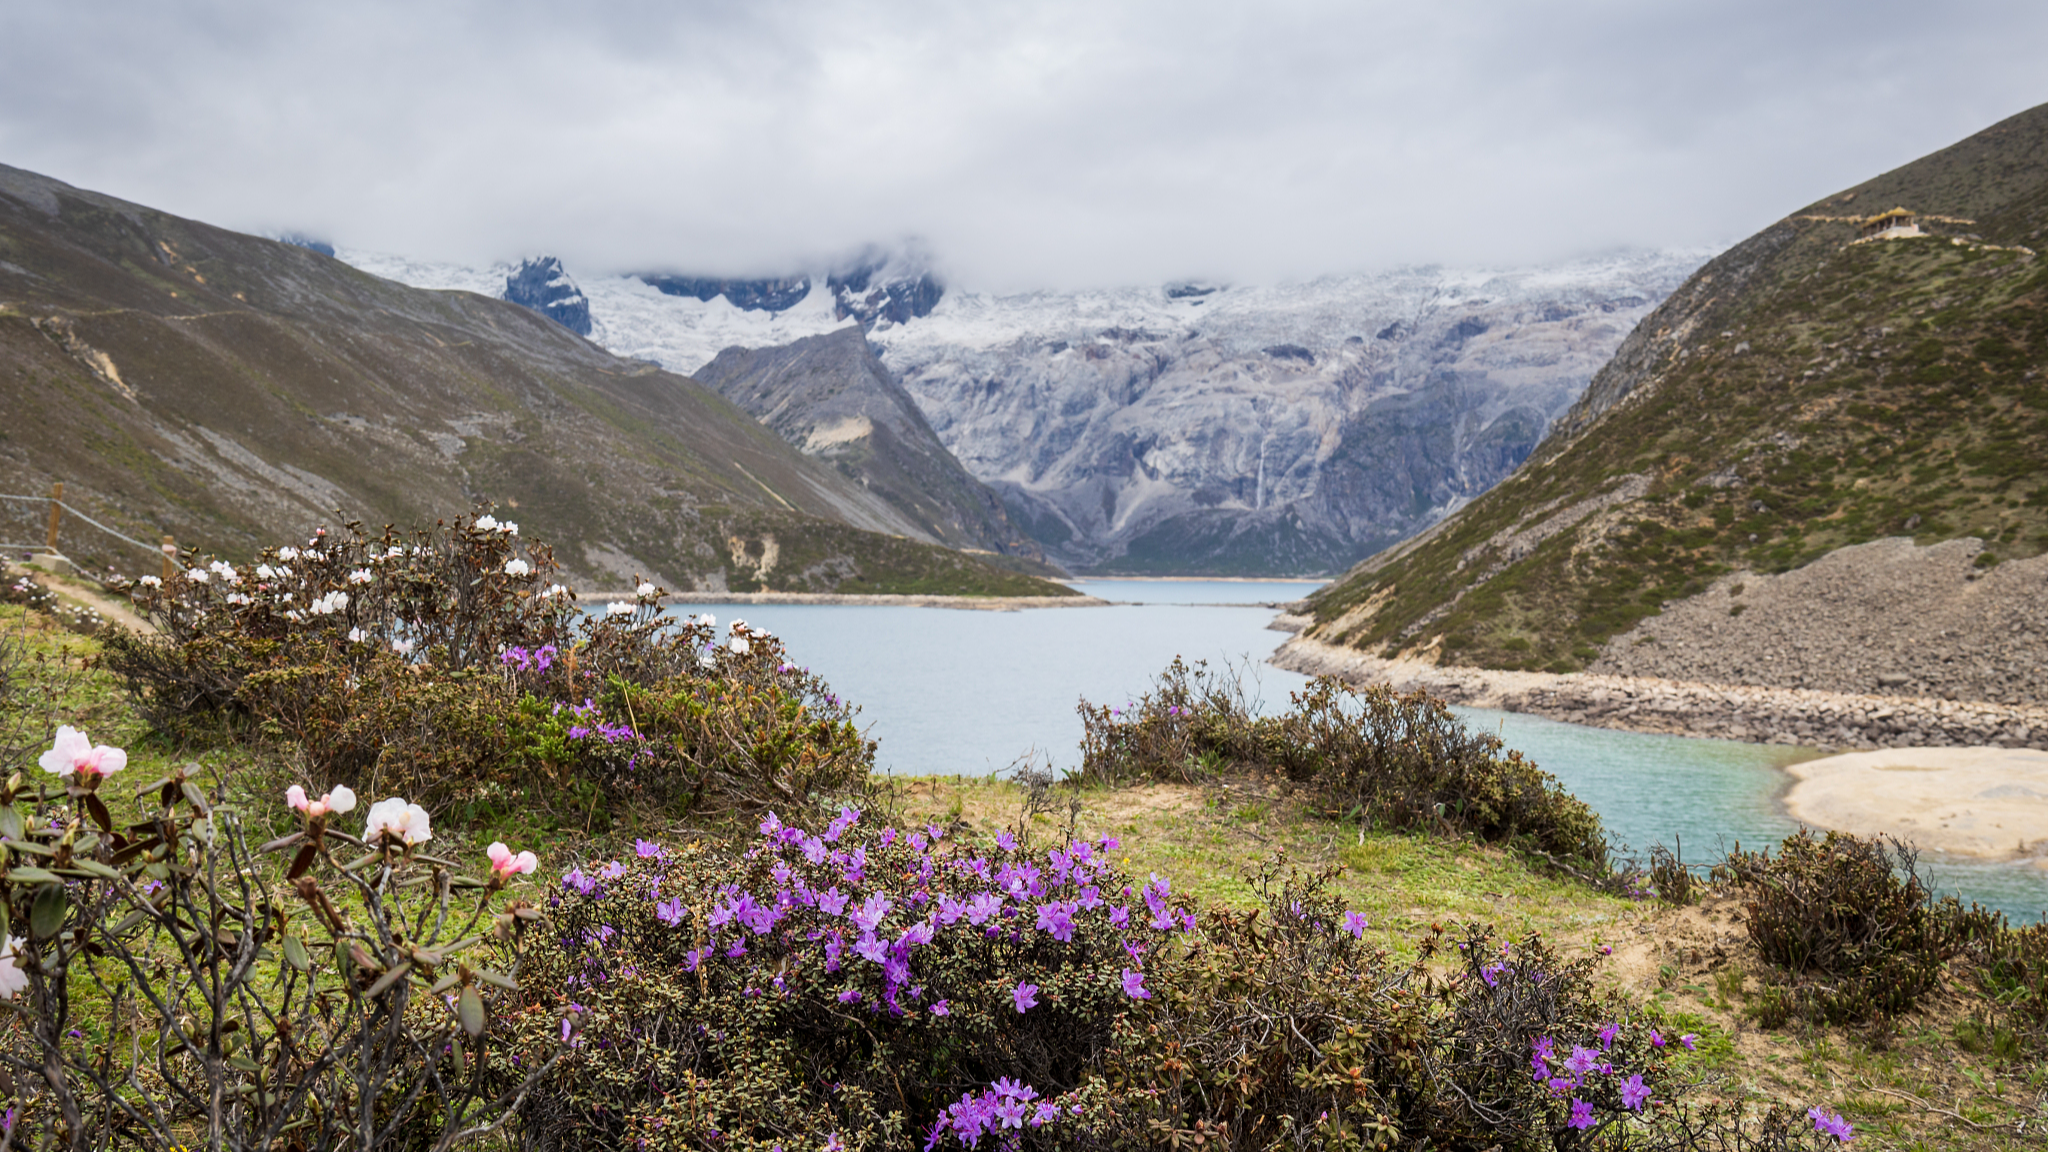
x=849 y=996
x=943 y=1008
x=1119 y=917
x=1134 y=985
x=1005 y=841
x=870 y=948
x=1608 y=1034
x=1025 y=997
x=670 y=913
x=1583 y=1060
x=951 y=909
x=771 y=825
x=1828 y=1122
x=1046 y=1113
x=871 y=912
x=834 y=1144
x=1634 y=1093
x=1013 y=1089
x=1058 y=919
x=1354 y=923
x=646 y=848
x=1011 y=1113
x=832 y=902
x=1492 y=973
x=1582 y=1114
x=982 y=907
x=1689 y=1040
x=612 y=871
x=1656 y=1038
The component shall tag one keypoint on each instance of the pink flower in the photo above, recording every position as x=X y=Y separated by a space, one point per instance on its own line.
x=504 y=865
x=336 y=802
x=1354 y=923
x=74 y=752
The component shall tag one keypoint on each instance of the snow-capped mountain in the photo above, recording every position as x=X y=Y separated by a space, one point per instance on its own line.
x=1189 y=427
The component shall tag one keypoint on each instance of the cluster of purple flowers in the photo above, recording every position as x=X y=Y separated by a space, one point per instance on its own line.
x=529 y=660
x=592 y=711
x=850 y=918
x=1006 y=1104
x=1572 y=1076
x=1829 y=1122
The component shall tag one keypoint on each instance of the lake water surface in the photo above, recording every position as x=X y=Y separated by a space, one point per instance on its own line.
x=948 y=691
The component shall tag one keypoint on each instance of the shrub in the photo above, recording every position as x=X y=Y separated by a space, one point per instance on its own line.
x=1401 y=761
x=862 y=985
x=1847 y=923
x=449 y=668
x=168 y=985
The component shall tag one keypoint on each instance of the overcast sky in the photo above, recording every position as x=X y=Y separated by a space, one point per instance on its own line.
x=1056 y=143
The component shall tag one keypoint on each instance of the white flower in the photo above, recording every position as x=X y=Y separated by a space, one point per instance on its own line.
x=509 y=528
x=314 y=554
x=338 y=801
x=12 y=979
x=265 y=572
x=707 y=660
x=151 y=582
x=618 y=608
x=225 y=571
x=739 y=625
x=394 y=819
x=287 y=553
x=240 y=598
x=360 y=576
x=293 y=614
x=357 y=635
x=487 y=523
x=332 y=602
x=708 y=620
x=197 y=575
x=402 y=646
x=74 y=752
x=394 y=552
x=517 y=568
x=738 y=644
x=645 y=589
x=555 y=590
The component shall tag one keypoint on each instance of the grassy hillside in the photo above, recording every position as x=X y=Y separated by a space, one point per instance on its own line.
x=1801 y=392
x=234 y=391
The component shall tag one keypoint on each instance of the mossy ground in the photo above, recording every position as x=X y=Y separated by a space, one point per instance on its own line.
x=1920 y=1084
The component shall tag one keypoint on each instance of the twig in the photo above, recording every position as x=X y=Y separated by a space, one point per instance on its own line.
x=1936 y=1108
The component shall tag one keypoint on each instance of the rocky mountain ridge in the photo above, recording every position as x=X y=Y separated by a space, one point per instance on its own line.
x=235 y=391
x=1190 y=427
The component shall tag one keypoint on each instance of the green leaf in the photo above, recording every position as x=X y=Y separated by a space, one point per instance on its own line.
x=388 y=979
x=95 y=869
x=194 y=796
x=46 y=916
x=10 y=822
x=25 y=875
x=295 y=954
x=497 y=978
x=469 y=1009
x=31 y=846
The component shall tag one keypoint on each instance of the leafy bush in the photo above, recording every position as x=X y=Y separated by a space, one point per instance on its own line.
x=1847 y=923
x=1402 y=761
x=448 y=667
x=168 y=985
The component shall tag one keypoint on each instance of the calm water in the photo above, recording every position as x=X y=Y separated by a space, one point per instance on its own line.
x=971 y=692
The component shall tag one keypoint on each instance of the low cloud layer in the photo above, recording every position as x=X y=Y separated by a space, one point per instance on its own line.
x=1060 y=143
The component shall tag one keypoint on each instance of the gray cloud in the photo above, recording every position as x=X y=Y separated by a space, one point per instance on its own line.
x=1060 y=142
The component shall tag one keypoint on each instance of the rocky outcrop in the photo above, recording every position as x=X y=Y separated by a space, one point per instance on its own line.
x=832 y=399
x=540 y=283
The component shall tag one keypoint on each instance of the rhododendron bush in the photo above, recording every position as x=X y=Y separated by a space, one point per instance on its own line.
x=164 y=983
x=449 y=665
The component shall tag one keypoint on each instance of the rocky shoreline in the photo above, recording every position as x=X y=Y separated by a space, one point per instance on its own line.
x=1829 y=721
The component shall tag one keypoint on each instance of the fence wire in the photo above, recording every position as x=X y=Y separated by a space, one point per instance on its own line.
x=70 y=513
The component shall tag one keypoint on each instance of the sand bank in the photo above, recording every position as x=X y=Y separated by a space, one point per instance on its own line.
x=1970 y=803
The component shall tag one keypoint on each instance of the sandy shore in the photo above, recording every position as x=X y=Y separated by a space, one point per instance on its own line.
x=1971 y=803
x=978 y=603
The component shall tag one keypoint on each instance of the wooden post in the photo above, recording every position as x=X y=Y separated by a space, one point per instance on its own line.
x=56 y=515
x=170 y=557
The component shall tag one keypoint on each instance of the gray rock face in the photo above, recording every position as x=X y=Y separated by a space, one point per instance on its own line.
x=834 y=401
x=1257 y=431
x=541 y=284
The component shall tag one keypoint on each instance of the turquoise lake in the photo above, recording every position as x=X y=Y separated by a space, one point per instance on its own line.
x=974 y=692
